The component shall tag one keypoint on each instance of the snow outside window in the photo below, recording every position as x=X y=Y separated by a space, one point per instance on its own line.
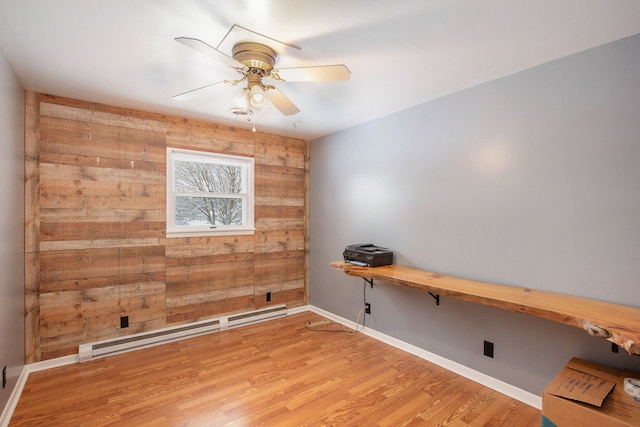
x=208 y=194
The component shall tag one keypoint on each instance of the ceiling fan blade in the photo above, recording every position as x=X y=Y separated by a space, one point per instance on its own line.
x=209 y=50
x=282 y=103
x=314 y=74
x=190 y=94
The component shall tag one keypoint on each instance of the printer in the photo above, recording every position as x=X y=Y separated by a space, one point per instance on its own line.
x=367 y=254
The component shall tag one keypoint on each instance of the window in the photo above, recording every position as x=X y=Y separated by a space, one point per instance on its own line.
x=208 y=194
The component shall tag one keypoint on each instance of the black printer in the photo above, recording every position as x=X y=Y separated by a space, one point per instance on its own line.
x=367 y=254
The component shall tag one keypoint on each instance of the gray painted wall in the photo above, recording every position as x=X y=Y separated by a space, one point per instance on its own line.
x=11 y=227
x=530 y=180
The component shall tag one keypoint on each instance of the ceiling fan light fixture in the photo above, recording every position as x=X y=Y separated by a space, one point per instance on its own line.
x=257 y=97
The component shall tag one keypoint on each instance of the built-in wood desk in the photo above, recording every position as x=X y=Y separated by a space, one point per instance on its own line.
x=619 y=324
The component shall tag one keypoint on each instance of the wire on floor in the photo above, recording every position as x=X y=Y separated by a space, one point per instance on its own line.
x=312 y=326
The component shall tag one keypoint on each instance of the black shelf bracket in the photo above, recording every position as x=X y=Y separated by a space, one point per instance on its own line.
x=369 y=281
x=435 y=297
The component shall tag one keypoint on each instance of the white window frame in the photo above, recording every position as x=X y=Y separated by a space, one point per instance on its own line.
x=174 y=230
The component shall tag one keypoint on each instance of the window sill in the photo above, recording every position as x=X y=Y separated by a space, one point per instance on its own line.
x=208 y=233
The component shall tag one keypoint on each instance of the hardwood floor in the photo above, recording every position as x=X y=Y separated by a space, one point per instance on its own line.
x=276 y=373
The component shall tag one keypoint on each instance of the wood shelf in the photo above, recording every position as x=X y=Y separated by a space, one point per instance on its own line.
x=618 y=323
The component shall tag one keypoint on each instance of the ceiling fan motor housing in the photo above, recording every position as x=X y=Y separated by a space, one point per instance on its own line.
x=255 y=56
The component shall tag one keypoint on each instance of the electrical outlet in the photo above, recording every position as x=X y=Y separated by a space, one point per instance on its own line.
x=488 y=349
x=367 y=308
x=124 y=322
x=268 y=296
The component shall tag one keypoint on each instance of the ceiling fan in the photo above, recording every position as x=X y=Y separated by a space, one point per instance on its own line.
x=256 y=61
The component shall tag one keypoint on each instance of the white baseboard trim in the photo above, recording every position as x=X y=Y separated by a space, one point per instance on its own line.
x=52 y=363
x=7 y=412
x=486 y=380
x=300 y=309
x=464 y=371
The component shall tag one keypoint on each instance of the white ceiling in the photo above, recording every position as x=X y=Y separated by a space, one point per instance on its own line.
x=400 y=53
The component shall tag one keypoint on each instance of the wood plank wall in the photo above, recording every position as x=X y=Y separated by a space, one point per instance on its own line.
x=95 y=226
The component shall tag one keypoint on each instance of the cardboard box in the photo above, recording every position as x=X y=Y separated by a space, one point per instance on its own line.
x=588 y=394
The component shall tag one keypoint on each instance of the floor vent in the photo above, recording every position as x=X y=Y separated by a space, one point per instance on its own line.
x=147 y=339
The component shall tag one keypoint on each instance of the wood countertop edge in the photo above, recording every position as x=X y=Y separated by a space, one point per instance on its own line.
x=567 y=309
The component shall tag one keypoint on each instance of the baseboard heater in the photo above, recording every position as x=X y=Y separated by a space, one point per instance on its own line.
x=113 y=346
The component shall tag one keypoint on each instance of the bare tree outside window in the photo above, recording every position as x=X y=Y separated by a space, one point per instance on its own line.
x=207 y=193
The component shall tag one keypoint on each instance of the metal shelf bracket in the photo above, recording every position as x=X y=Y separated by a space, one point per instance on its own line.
x=435 y=297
